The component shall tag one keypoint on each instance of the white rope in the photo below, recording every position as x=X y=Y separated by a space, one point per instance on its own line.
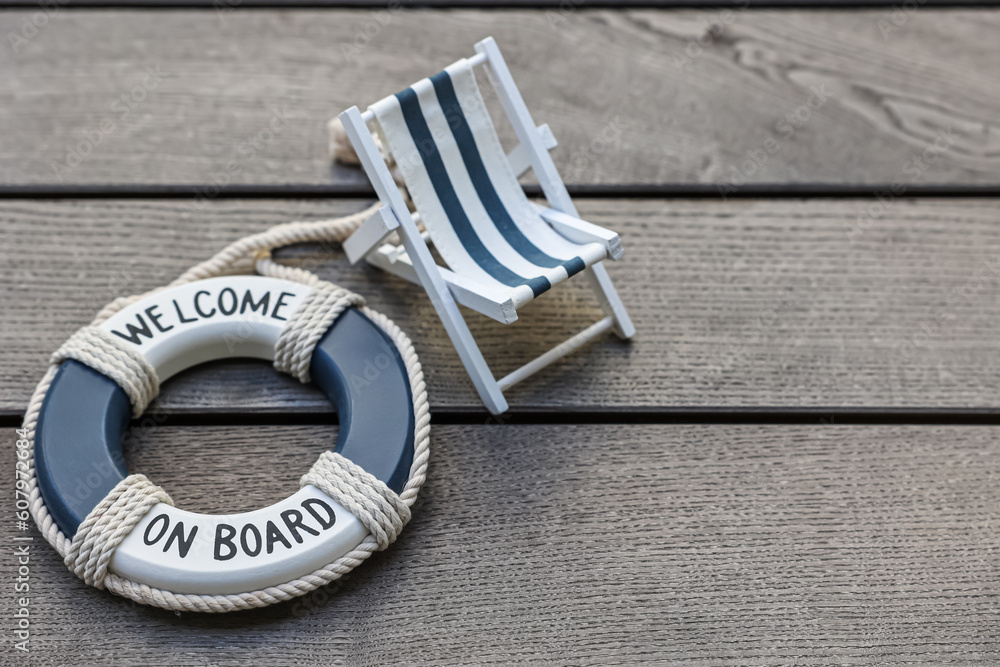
x=113 y=357
x=307 y=324
x=362 y=494
x=108 y=524
x=89 y=552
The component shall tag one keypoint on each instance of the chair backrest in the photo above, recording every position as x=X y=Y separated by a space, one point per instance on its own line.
x=469 y=199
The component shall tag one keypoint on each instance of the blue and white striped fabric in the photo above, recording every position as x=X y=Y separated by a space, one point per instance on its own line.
x=470 y=202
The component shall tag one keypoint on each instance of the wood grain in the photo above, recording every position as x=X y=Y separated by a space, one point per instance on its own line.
x=640 y=97
x=489 y=4
x=743 y=303
x=714 y=545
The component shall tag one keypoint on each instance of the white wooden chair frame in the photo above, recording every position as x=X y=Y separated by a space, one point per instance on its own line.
x=446 y=289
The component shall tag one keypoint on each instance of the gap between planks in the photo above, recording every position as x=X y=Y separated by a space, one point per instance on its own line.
x=820 y=416
x=635 y=191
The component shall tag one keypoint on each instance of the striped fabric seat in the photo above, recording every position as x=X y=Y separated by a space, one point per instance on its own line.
x=477 y=215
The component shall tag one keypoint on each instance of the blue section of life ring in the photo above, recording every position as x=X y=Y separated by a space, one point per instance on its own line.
x=78 y=438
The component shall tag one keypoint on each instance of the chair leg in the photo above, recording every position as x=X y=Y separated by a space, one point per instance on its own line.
x=611 y=303
x=472 y=358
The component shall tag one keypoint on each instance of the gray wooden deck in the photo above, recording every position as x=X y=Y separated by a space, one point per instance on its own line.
x=795 y=462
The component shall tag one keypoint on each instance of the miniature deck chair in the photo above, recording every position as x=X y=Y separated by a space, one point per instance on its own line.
x=502 y=250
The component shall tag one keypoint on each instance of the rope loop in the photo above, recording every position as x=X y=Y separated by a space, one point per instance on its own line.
x=108 y=524
x=307 y=324
x=374 y=504
x=111 y=356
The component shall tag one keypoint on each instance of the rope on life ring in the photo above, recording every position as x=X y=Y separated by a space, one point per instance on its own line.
x=382 y=511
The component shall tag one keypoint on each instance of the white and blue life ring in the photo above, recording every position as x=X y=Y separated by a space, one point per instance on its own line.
x=78 y=453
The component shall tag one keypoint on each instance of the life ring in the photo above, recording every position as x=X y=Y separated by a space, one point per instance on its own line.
x=78 y=454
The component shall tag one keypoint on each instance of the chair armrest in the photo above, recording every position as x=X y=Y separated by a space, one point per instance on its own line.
x=370 y=234
x=581 y=231
x=520 y=158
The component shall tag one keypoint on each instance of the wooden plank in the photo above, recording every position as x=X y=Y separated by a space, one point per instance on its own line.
x=490 y=4
x=643 y=97
x=748 y=303
x=715 y=545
